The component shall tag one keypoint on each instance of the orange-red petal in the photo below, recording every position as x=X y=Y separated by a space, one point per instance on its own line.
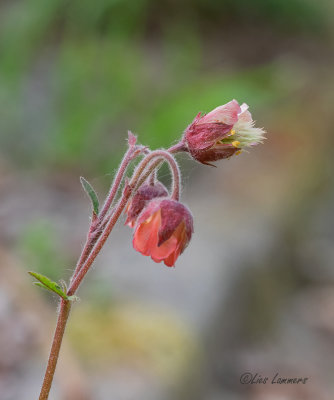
x=180 y=239
x=159 y=253
x=146 y=234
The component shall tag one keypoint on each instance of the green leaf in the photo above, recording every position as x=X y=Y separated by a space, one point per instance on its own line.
x=48 y=284
x=39 y=284
x=91 y=193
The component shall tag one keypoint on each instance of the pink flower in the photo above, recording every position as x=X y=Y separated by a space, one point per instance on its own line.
x=221 y=133
x=163 y=230
x=144 y=194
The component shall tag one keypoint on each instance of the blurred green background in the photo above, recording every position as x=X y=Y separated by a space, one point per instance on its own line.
x=254 y=291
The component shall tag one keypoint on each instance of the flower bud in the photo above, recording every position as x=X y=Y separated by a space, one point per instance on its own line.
x=222 y=133
x=163 y=230
x=144 y=194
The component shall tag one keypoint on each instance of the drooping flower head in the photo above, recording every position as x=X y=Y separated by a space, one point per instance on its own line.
x=222 y=133
x=144 y=194
x=163 y=230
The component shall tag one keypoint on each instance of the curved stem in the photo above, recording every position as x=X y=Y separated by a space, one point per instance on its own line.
x=153 y=177
x=128 y=157
x=143 y=170
x=64 y=311
x=165 y=156
x=153 y=166
x=96 y=240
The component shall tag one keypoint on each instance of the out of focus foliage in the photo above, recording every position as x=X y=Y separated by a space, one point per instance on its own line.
x=38 y=246
x=74 y=76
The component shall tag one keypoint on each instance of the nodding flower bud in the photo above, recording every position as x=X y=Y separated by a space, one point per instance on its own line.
x=163 y=230
x=222 y=133
x=144 y=194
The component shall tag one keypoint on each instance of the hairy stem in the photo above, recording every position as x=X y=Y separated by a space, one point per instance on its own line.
x=153 y=178
x=117 y=181
x=144 y=168
x=90 y=241
x=129 y=155
x=147 y=164
x=64 y=311
x=96 y=226
x=181 y=146
x=98 y=234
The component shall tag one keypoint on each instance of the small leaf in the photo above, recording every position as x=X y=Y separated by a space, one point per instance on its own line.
x=39 y=284
x=91 y=193
x=48 y=284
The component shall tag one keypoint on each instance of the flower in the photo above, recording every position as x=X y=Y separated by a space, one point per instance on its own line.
x=163 y=230
x=144 y=194
x=222 y=133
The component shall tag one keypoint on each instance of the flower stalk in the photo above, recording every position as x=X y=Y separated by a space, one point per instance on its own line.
x=97 y=238
x=64 y=312
x=162 y=225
